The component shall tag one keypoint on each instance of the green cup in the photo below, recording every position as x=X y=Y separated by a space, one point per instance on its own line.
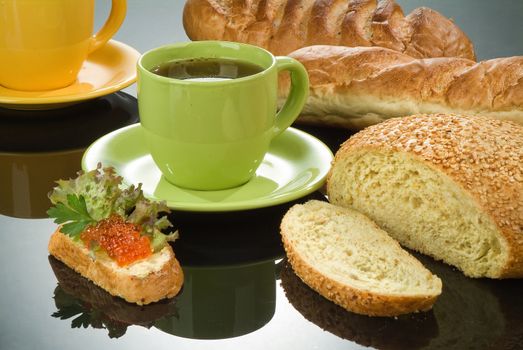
x=212 y=135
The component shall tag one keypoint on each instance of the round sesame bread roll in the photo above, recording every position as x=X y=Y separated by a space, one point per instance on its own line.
x=445 y=185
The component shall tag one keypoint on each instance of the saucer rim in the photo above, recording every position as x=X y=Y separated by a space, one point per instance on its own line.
x=34 y=102
x=257 y=202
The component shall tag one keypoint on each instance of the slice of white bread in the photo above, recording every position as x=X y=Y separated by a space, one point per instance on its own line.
x=445 y=185
x=145 y=281
x=348 y=259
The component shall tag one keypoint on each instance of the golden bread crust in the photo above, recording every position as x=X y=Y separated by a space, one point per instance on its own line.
x=357 y=300
x=352 y=299
x=483 y=156
x=283 y=26
x=360 y=86
x=163 y=283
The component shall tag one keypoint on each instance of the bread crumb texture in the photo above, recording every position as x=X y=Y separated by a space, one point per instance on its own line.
x=448 y=186
x=348 y=259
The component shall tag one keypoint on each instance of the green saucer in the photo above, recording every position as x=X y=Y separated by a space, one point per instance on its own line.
x=296 y=165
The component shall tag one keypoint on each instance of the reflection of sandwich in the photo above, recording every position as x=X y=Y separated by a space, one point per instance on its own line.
x=412 y=331
x=90 y=305
x=113 y=237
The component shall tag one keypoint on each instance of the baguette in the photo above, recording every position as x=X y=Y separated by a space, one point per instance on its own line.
x=345 y=257
x=282 y=26
x=358 y=87
x=447 y=186
x=145 y=281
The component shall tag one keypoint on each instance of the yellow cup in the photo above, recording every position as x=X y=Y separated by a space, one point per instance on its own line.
x=43 y=43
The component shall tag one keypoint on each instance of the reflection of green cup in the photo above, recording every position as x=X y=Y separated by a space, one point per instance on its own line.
x=211 y=135
x=223 y=301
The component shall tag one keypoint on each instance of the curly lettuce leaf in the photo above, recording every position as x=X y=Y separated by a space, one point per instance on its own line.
x=159 y=240
x=100 y=188
x=128 y=199
x=146 y=214
x=98 y=194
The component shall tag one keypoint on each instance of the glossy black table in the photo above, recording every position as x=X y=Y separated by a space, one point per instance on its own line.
x=239 y=292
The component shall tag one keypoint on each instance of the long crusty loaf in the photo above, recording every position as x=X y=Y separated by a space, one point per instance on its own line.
x=282 y=26
x=357 y=87
x=349 y=260
x=447 y=186
x=157 y=277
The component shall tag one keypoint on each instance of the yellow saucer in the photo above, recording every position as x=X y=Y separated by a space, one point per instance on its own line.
x=109 y=69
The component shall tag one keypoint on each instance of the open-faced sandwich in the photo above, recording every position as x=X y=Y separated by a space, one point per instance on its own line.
x=113 y=236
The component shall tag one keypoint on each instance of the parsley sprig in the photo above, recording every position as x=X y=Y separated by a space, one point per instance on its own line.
x=73 y=214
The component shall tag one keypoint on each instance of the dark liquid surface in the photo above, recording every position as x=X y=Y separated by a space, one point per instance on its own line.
x=206 y=69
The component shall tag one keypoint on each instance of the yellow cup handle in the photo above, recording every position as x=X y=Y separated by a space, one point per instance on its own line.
x=111 y=26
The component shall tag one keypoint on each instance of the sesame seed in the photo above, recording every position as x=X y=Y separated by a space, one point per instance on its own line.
x=485 y=156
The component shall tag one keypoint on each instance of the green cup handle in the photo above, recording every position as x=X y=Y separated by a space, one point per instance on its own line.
x=297 y=95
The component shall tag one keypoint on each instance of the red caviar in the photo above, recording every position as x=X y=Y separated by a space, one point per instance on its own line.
x=121 y=240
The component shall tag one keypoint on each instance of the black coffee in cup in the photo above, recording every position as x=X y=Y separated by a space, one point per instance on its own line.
x=207 y=69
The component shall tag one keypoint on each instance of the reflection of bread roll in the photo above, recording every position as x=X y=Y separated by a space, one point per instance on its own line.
x=508 y=294
x=282 y=26
x=447 y=186
x=354 y=87
x=411 y=331
x=345 y=257
x=111 y=308
x=468 y=312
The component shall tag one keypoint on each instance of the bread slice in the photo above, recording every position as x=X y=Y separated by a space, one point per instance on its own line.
x=72 y=287
x=410 y=331
x=145 y=281
x=349 y=260
x=445 y=185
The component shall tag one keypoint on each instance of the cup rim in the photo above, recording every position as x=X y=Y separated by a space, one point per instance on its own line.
x=213 y=84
